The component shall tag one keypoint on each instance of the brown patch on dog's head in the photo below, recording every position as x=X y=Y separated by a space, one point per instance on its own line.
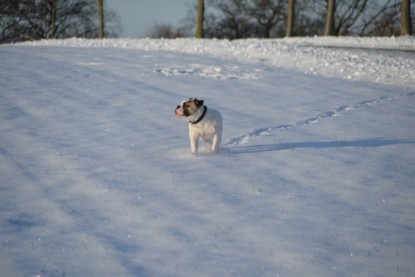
x=189 y=107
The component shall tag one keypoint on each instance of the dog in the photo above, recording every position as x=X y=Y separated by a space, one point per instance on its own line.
x=204 y=123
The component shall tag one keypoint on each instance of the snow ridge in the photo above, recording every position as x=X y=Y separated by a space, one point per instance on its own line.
x=344 y=57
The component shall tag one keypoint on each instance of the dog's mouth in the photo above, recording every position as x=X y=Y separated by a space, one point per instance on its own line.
x=179 y=112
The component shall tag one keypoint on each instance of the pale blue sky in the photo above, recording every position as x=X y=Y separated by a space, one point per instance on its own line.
x=138 y=16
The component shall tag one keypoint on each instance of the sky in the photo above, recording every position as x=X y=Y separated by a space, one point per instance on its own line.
x=139 y=16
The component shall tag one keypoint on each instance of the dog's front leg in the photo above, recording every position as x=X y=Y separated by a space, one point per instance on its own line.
x=194 y=143
x=215 y=143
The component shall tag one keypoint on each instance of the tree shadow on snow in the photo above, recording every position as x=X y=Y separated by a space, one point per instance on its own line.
x=365 y=143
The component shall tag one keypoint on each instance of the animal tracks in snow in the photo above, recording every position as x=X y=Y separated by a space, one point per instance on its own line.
x=329 y=114
x=207 y=71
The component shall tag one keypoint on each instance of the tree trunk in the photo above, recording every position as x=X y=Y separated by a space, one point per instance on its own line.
x=200 y=14
x=406 y=24
x=290 y=18
x=101 y=18
x=53 y=9
x=329 y=28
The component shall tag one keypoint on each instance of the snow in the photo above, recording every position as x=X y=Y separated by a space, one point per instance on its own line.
x=314 y=176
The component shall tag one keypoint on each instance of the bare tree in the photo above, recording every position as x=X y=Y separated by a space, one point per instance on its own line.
x=379 y=20
x=234 y=21
x=200 y=14
x=406 y=24
x=361 y=17
x=30 y=20
x=266 y=18
x=347 y=14
x=290 y=18
x=268 y=14
x=329 y=26
x=53 y=11
x=101 y=18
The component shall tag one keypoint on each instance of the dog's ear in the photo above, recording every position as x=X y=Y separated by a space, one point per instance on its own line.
x=198 y=102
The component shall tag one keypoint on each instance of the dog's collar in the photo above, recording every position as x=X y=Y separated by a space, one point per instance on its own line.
x=200 y=118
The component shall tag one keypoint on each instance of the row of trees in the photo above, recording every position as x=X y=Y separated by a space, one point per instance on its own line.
x=38 y=19
x=235 y=19
x=232 y=19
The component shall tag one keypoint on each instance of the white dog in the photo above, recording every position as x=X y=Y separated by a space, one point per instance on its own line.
x=203 y=123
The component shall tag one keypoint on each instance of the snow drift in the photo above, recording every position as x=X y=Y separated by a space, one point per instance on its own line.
x=314 y=176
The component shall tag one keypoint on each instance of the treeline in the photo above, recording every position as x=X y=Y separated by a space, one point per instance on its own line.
x=234 y=19
x=22 y=20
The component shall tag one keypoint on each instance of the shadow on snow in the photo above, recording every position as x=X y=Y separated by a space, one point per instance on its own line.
x=366 y=143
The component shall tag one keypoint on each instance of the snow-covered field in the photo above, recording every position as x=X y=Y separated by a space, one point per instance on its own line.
x=315 y=176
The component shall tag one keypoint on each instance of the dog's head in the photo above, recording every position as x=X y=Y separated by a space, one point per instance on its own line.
x=188 y=108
